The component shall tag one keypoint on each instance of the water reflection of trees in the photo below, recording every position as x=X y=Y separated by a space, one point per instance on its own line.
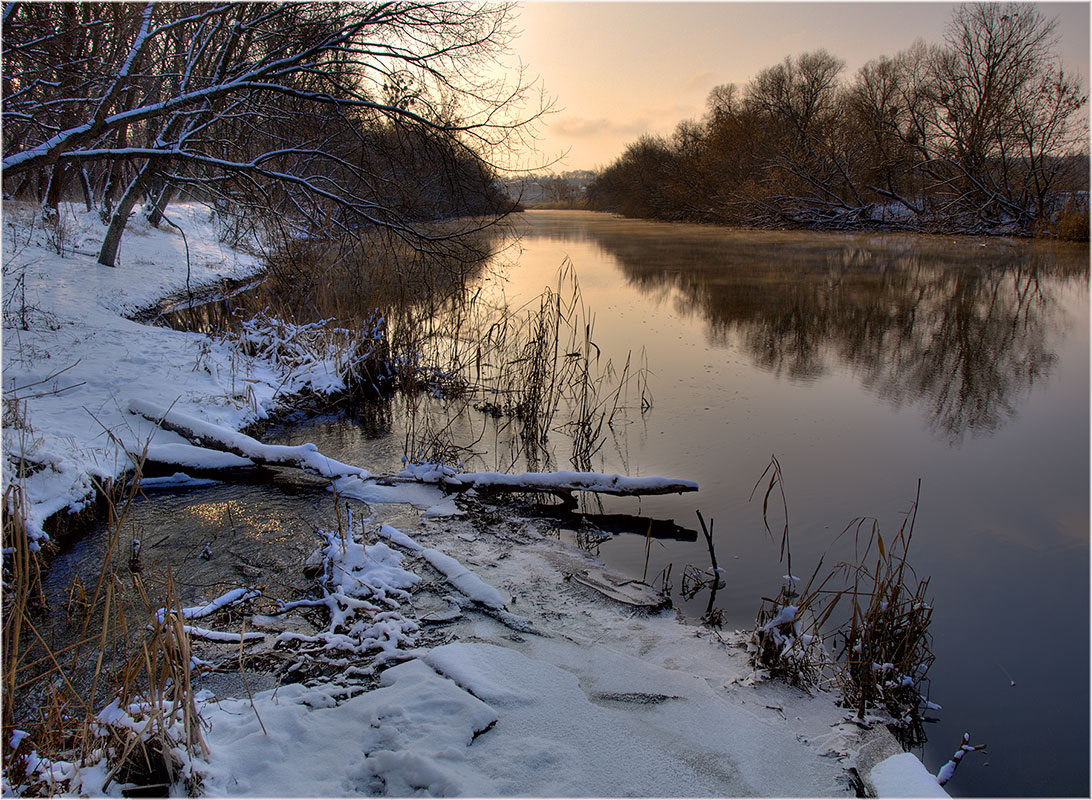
x=962 y=328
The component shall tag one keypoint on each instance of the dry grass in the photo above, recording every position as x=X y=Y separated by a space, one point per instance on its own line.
x=393 y=319
x=119 y=695
x=885 y=644
x=863 y=627
x=1070 y=223
x=536 y=369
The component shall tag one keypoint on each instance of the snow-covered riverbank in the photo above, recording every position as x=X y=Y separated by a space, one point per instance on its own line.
x=508 y=677
x=73 y=360
x=576 y=695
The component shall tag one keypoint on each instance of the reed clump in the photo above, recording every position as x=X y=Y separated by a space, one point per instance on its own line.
x=116 y=704
x=377 y=317
x=861 y=627
x=535 y=369
x=885 y=644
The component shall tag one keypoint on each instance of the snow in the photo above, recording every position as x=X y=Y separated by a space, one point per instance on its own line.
x=221 y=636
x=363 y=587
x=561 y=480
x=784 y=615
x=473 y=665
x=599 y=703
x=407 y=735
x=459 y=576
x=186 y=455
x=231 y=598
x=178 y=480
x=306 y=456
x=80 y=360
x=446 y=508
x=903 y=775
x=416 y=494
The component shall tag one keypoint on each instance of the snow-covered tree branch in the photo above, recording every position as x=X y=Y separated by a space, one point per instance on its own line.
x=144 y=101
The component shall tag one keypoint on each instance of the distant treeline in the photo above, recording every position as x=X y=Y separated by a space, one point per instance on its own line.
x=550 y=190
x=984 y=133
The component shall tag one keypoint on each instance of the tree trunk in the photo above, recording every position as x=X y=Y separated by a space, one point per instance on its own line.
x=85 y=184
x=53 y=192
x=114 y=176
x=108 y=255
x=159 y=205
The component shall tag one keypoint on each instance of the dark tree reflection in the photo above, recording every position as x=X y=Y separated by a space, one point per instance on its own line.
x=963 y=328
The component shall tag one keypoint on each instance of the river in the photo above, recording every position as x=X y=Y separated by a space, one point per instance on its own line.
x=864 y=363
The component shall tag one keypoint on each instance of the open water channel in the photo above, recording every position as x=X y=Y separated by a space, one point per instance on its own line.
x=864 y=363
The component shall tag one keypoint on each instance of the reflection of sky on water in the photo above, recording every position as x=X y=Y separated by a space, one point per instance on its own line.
x=241 y=518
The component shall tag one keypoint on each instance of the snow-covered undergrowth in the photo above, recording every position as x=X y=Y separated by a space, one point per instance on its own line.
x=362 y=589
x=72 y=359
x=885 y=652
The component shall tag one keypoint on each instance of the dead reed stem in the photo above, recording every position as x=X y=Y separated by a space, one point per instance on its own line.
x=878 y=650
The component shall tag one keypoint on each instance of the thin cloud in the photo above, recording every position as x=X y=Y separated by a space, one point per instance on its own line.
x=700 y=81
x=579 y=127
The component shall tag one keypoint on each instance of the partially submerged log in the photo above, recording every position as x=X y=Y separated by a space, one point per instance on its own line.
x=562 y=483
x=206 y=434
x=626 y=591
x=307 y=457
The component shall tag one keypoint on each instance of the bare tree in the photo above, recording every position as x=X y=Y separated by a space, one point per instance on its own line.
x=799 y=93
x=982 y=133
x=1002 y=110
x=882 y=128
x=277 y=97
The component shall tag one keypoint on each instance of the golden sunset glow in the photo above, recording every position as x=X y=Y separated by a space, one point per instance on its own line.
x=619 y=70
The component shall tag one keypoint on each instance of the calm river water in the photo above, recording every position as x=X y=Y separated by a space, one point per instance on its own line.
x=864 y=363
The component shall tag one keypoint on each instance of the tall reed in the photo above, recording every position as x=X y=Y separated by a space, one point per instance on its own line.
x=120 y=693
x=875 y=647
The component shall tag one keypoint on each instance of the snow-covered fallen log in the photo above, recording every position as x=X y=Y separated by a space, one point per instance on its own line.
x=234 y=597
x=562 y=482
x=222 y=636
x=305 y=456
x=464 y=580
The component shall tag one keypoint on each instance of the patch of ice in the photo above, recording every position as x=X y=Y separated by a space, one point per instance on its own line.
x=445 y=509
x=419 y=495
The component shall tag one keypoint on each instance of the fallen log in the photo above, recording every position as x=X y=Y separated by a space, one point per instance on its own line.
x=562 y=483
x=206 y=434
x=307 y=457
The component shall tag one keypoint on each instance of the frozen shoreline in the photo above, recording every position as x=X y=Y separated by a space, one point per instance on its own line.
x=703 y=727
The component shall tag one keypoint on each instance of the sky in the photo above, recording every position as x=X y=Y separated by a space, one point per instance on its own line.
x=621 y=69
